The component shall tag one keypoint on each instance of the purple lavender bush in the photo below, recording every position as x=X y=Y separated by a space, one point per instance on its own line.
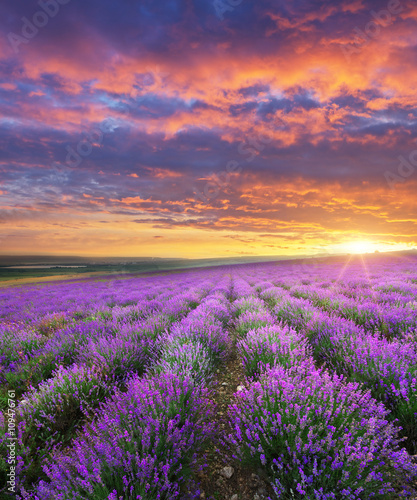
x=244 y=304
x=272 y=295
x=294 y=312
x=143 y=446
x=50 y=414
x=270 y=346
x=322 y=329
x=213 y=308
x=319 y=438
x=152 y=327
x=118 y=357
x=251 y=320
x=388 y=369
x=186 y=358
x=209 y=332
x=60 y=350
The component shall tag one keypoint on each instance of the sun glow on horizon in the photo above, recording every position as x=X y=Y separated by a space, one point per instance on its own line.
x=361 y=246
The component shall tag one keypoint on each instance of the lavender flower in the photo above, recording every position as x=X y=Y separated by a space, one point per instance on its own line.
x=270 y=346
x=143 y=446
x=318 y=437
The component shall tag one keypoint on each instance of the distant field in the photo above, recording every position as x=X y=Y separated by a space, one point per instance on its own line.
x=11 y=275
x=27 y=273
x=24 y=275
x=8 y=281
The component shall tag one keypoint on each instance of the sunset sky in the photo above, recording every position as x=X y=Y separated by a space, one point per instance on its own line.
x=202 y=128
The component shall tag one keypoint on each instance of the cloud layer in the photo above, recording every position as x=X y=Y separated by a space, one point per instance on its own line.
x=194 y=128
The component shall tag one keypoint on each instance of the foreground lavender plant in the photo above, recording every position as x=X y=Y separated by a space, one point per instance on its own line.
x=144 y=445
x=388 y=369
x=50 y=414
x=318 y=438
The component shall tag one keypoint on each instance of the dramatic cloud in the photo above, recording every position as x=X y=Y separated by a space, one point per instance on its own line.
x=183 y=128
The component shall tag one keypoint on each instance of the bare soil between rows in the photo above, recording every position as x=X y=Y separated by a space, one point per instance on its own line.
x=245 y=483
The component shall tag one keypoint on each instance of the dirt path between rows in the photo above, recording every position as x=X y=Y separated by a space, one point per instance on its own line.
x=244 y=483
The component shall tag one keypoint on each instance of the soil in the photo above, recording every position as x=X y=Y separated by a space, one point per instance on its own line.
x=245 y=483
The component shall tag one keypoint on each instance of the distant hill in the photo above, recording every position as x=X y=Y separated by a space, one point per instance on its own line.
x=157 y=263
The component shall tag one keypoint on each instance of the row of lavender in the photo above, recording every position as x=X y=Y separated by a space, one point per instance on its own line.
x=49 y=329
x=384 y=364
x=317 y=434
x=117 y=402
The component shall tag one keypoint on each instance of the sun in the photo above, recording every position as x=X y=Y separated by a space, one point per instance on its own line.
x=361 y=246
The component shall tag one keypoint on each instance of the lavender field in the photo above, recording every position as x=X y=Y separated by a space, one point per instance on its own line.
x=111 y=387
